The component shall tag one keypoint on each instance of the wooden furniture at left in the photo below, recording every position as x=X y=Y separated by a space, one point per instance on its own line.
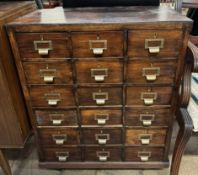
x=14 y=125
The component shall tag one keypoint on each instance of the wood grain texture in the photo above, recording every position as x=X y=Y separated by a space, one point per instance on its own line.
x=40 y=95
x=61 y=72
x=132 y=153
x=81 y=44
x=90 y=135
x=90 y=116
x=113 y=73
x=164 y=95
x=59 y=45
x=159 y=116
x=51 y=154
x=14 y=122
x=49 y=117
x=138 y=68
x=172 y=43
x=48 y=136
x=133 y=136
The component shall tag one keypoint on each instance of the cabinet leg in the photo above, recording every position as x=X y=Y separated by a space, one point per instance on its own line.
x=4 y=163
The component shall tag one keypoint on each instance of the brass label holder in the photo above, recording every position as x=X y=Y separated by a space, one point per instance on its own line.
x=98 y=50
x=102 y=138
x=62 y=156
x=99 y=74
x=154 y=45
x=144 y=155
x=103 y=155
x=151 y=73
x=43 y=51
x=100 y=97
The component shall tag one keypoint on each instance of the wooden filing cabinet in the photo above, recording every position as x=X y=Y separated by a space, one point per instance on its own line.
x=101 y=84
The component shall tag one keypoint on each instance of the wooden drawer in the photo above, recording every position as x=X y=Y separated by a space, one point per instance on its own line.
x=143 y=136
x=56 y=118
x=154 y=43
x=100 y=96
x=61 y=155
x=143 y=72
x=102 y=154
x=101 y=117
x=43 y=45
x=94 y=44
x=148 y=117
x=48 y=73
x=148 y=96
x=144 y=154
x=51 y=96
x=98 y=71
x=102 y=136
x=58 y=136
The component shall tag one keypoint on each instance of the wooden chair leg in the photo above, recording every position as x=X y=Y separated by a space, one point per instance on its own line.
x=4 y=163
x=183 y=137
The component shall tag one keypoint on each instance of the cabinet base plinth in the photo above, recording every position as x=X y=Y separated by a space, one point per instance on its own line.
x=106 y=165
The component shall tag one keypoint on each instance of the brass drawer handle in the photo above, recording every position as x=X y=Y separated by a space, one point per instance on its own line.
x=103 y=155
x=144 y=156
x=98 y=46
x=52 y=98
x=101 y=118
x=62 y=156
x=151 y=73
x=147 y=119
x=102 y=138
x=59 y=139
x=154 y=45
x=148 y=97
x=43 y=51
x=56 y=118
x=99 y=74
x=145 y=139
x=48 y=74
x=100 y=97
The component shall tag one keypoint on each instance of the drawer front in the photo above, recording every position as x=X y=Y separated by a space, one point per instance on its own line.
x=51 y=96
x=144 y=136
x=94 y=44
x=102 y=136
x=154 y=43
x=99 y=71
x=148 y=117
x=100 y=96
x=144 y=154
x=48 y=73
x=101 y=117
x=58 y=137
x=102 y=154
x=56 y=118
x=61 y=155
x=143 y=72
x=149 y=96
x=43 y=45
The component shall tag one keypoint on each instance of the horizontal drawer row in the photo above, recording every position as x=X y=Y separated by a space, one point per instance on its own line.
x=97 y=71
x=104 y=44
x=101 y=117
x=101 y=136
x=63 y=96
x=103 y=154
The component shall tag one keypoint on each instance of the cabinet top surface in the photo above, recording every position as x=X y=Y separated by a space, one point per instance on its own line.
x=6 y=8
x=102 y=15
